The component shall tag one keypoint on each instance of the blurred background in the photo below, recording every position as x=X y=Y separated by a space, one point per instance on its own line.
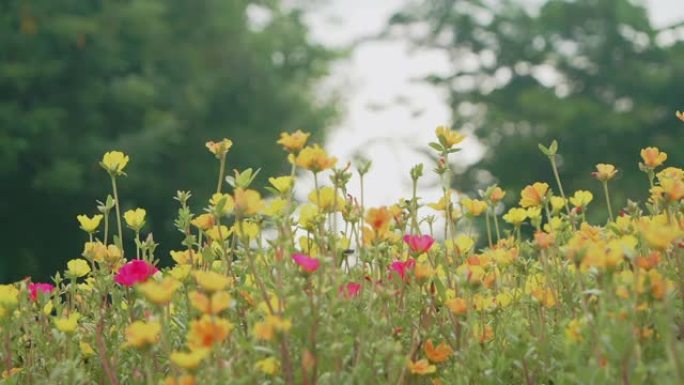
x=372 y=78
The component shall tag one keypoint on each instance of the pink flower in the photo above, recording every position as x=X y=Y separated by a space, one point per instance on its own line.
x=400 y=267
x=134 y=272
x=419 y=243
x=350 y=290
x=307 y=263
x=35 y=288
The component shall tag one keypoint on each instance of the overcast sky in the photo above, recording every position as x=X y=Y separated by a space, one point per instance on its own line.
x=386 y=113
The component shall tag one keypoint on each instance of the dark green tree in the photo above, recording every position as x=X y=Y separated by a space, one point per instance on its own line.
x=155 y=79
x=594 y=74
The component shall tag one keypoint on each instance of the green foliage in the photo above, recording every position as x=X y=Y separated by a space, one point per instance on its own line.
x=152 y=77
x=588 y=73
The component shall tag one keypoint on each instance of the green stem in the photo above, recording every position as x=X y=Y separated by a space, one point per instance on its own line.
x=558 y=182
x=222 y=171
x=605 y=191
x=118 y=212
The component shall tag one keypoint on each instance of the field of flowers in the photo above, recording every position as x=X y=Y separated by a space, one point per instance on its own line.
x=329 y=291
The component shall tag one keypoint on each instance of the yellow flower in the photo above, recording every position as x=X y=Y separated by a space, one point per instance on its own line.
x=9 y=299
x=658 y=235
x=6 y=374
x=307 y=215
x=211 y=281
x=219 y=233
x=205 y=221
x=448 y=137
x=207 y=331
x=604 y=172
x=437 y=354
x=421 y=367
x=180 y=272
x=189 y=360
x=135 y=219
x=218 y=302
x=275 y=207
x=557 y=203
x=653 y=157
x=329 y=201
x=282 y=184
x=474 y=207
x=247 y=202
x=246 y=229
x=515 y=216
x=140 y=334
x=315 y=158
x=77 y=268
x=114 y=162
x=268 y=366
x=86 y=349
x=534 y=212
x=89 y=225
x=581 y=198
x=573 y=331
x=186 y=257
x=293 y=142
x=67 y=324
x=185 y=379
x=159 y=293
x=672 y=188
x=220 y=148
x=533 y=195
x=267 y=329
x=222 y=204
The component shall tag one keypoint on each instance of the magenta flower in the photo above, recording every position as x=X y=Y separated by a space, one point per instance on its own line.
x=350 y=290
x=307 y=263
x=134 y=272
x=419 y=243
x=401 y=268
x=35 y=288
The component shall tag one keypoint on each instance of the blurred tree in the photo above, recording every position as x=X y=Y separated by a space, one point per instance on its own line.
x=153 y=78
x=594 y=74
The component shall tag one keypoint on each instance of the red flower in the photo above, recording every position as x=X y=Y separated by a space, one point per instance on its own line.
x=419 y=243
x=307 y=263
x=35 y=288
x=134 y=272
x=400 y=267
x=350 y=290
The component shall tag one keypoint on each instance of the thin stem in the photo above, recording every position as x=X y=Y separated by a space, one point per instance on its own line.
x=222 y=171
x=118 y=211
x=560 y=186
x=605 y=191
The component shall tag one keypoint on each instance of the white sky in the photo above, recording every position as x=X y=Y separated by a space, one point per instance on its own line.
x=386 y=112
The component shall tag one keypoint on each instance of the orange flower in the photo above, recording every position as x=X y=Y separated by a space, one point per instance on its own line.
x=315 y=158
x=497 y=194
x=680 y=115
x=293 y=142
x=672 y=188
x=653 y=157
x=206 y=332
x=457 y=305
x=220 y=148
x=544 y=240
x=421 y=367
x=379 y=218
x=533 y=195
x=437 y=354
